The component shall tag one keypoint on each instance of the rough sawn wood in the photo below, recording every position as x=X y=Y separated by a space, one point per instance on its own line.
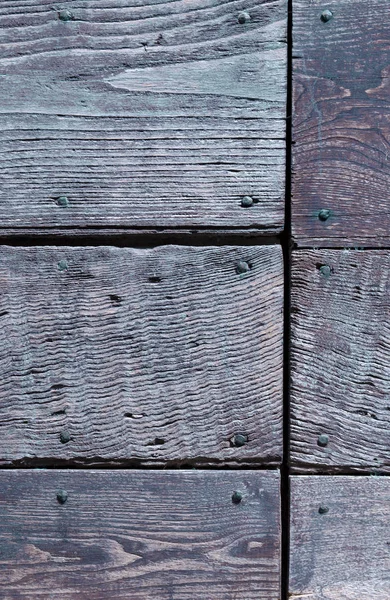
x=340 y=361
x=154 y=356
x=340 y=538
x=139 y=535
x=142 y=115
x=341 y=123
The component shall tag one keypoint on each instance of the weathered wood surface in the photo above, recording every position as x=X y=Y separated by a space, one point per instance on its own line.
x=343 y=552
x=155 y=356
x=340 y=362
x=139 y=535
x=144 y=115
x=341 y=123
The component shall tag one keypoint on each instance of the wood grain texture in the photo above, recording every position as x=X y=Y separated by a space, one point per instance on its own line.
x=340 y=362
x=142 y=114
x=152 y=356
x=139 y=535
x=343 y=553
x=341 y=123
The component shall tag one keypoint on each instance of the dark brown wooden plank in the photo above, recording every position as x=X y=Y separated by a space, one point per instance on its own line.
x=143 y=114
x=159 y=355
x=139 y=535
x=340 y=538
x=340 y=364
x=341 y=123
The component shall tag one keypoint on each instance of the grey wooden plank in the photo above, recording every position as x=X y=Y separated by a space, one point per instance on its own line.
x=340 y=532
x=341 y=126
x=340 y=304
x=141 y=116
x=148 y=356
x=139 y=535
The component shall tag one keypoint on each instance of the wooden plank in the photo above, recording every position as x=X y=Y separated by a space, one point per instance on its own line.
x=340 y=532
x=340 y=363
x=152 y=356
x=140 y=535
x=341 y=123
x=143 y=115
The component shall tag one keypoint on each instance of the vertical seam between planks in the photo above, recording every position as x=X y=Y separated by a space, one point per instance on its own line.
x=287 y=247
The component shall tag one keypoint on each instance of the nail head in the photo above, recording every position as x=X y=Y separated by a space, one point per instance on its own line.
x=62 y=265
x=244 y=17
x=240 y=439
x=323 y=440
x=325 y=270
x=64 y=437
x=246 y=201
x=62 y=201
x=236 y=497
x=324 y=214
x=62 y=496
x=326 y=15
x=242 y=267
x=65 y=15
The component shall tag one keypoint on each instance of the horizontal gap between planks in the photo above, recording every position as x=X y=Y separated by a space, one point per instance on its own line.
x=128 y=465
x=336 y=471
x=144 y=240
x=341 y=248
x=346 y=246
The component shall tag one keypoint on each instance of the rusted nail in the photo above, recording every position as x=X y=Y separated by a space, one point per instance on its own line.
x=236 y=497
x=326 y=15
x=62 y=265
x=62 y=201
x=240 y=439
x=64 y=437
x=244 y=17
x=323 y=510
x=242 y=267
x=62 y=496
x=324 y=214
x=246 y=201
x=325 y=270
x=65 y=15
x=323 y=440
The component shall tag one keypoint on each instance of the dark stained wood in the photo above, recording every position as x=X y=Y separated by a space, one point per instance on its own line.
x=340 y=363
x=153 y=356
x=139 y=535
x=341 y=123
x=142 y=115
x=344 y=552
